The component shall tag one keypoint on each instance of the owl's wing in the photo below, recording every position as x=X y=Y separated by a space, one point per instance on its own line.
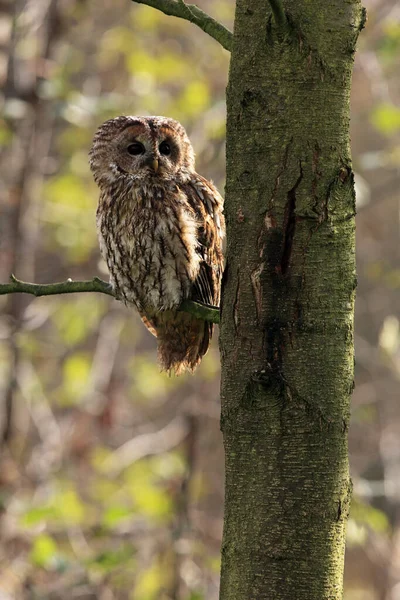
x=207 y=203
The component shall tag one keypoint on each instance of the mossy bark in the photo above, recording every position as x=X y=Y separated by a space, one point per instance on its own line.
x=287 y=315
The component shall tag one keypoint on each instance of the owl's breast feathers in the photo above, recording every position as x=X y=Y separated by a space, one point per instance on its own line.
x=163 y=244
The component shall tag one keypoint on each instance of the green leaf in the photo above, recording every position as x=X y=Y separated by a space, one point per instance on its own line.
x=195 y=98
x=214 y=563
x=76 y=371
x=70 y=507
x=37 y=515
x=115 y=514
x=145 y=18
x=6 y=134
x=70 y=208
x=389 y=335
x=196 y=596
x=43 y=553
x=151 y=501
x=164 y=67
x=168 y=465
x=386 y=118
x=149 y=584
x=111 y=559
x=150 y=384
x=389 y=44
x=364 y=514
x=67 y=189
x=75 y=319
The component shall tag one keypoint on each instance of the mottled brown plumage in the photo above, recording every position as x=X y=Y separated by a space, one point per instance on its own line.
x=160 y=228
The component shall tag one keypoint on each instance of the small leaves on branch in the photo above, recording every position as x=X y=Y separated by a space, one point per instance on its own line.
x=192 y=13
x=201 y=311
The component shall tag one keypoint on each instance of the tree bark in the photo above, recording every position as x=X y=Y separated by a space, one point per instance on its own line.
x=287 y=315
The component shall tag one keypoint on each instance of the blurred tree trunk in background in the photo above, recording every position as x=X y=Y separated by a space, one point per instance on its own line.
x=25 y=174
x=287 y=315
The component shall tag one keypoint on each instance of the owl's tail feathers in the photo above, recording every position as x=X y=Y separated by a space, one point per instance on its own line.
x=183 y=340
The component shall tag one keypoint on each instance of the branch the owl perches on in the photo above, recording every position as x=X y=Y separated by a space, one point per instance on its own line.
x=207 y=313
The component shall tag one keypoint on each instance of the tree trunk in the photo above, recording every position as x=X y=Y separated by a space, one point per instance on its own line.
x=287 y=315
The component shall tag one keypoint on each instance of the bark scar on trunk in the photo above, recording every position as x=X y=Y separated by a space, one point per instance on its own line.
x=255 y=282
x=289 y=224
x=269 y=221
x=279 y=174
x=236 y=317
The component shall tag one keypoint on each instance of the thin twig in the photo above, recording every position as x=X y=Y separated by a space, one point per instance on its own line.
x=278 y=12
x=206 y=313
x=192 y=13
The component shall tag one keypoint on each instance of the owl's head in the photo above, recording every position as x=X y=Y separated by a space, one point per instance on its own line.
x=146 y=149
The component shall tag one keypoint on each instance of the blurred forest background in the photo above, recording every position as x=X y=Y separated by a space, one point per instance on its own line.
x=111 y=474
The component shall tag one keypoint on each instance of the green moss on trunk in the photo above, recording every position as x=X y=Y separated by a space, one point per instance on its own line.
x=287 y=316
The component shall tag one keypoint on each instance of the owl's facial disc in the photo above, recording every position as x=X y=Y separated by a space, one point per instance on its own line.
x=146 y=154
x=144 y=149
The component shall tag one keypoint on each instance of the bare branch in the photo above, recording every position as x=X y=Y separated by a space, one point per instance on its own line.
x=201 y=311
x=51 y=289
x=192 y=13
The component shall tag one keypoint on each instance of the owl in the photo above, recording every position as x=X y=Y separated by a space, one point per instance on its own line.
x=160 y=227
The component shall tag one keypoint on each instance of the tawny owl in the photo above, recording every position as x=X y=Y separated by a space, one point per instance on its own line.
x=160 y=227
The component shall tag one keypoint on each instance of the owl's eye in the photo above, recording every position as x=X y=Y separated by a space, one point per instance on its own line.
x=135 y=149
x=165 y=148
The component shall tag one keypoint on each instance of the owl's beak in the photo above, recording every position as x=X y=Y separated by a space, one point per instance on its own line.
x=154 y=164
